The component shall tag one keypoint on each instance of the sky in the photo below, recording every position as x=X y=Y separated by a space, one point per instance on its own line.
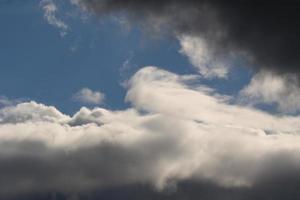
x=97 y=54
x=40 y=64
x=129 y=99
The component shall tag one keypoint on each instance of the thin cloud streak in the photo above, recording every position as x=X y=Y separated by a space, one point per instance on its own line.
x=50 y=10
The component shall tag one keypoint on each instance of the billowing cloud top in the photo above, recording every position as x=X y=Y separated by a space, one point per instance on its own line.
x=174 y=131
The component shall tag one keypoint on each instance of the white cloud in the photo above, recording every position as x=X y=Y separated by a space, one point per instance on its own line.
x=183 y=133
x=50 y=10
x=30 y=111
x=268 y=88
x=201 y=56
x=86 y=95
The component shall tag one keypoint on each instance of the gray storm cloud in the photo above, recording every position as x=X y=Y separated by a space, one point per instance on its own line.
x=266 y=33
x=174 y=132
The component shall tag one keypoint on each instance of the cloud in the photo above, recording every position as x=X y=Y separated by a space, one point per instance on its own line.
x=30 y=111
x=270 y=88
x=5 y=101
x=264 y=33
x=173 y=133
x=86 y=95
x=199 y=55
x=50 y=10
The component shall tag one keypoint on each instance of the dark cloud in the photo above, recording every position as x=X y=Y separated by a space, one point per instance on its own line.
x=274 y=189
x=32 y=167
x=266 y=31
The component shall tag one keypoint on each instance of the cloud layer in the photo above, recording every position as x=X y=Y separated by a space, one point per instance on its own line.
x=174 y=132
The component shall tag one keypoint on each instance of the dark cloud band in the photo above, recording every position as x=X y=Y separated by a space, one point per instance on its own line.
x=267 y=32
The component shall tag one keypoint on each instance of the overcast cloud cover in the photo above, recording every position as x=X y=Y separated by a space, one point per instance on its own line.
x=174 y=132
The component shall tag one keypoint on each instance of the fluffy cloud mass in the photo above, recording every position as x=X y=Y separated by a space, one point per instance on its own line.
x=174 y=131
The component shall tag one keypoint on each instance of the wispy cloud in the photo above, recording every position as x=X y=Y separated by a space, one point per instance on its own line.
x=5 y=101
x=50 y=14
x=201 y=56
x=270 y=88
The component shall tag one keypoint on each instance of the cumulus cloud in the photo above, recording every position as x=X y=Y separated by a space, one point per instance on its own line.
x=269 y=88
x=50 y=11
x=30 y=111
x=173 y=132
x=86 y=95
